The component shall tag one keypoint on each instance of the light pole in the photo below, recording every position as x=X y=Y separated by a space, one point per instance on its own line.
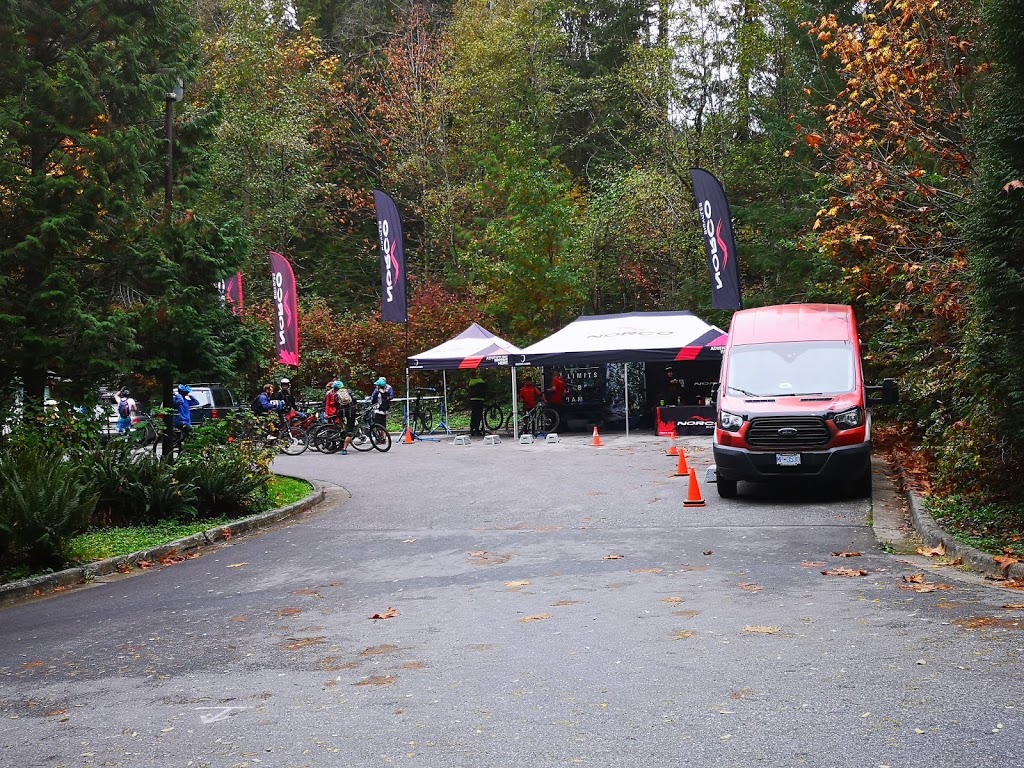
x=177 y=94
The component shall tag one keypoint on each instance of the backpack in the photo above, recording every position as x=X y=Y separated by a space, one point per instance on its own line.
x=256 y=406
x=344 y=398
x=124 y=410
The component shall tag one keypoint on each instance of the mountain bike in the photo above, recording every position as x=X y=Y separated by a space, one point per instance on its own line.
x=421 y=418
x=539 y=420
x=494 y=417
x=366 y=433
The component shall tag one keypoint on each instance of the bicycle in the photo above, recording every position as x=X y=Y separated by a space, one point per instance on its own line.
x=421 y=418
x=367 y=434
x=539 y=420
x=265 y=431
x=494 y=417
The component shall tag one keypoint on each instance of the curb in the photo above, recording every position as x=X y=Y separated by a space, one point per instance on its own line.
x=39 y=586
x=932 y=535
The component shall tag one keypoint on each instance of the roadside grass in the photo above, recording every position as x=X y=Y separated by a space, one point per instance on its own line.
x=996 y=529
x=103 y=543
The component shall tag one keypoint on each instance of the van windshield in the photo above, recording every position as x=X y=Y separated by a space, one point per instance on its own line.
x=792 y=368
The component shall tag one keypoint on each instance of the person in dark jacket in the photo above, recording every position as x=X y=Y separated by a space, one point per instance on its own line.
x=477 y=396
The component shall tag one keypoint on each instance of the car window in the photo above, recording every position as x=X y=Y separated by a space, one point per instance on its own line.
x=202 y=395
x=222 y=398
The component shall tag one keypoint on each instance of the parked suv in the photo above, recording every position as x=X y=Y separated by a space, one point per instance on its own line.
x=215 y=402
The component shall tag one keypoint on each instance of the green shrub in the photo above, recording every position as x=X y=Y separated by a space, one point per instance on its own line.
x=228 y=480
x=44 y=502
x=137 y=488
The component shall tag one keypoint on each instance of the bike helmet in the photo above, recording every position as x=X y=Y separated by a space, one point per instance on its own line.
x=285 y=381
x=125 y=393
x=381 y=382
x=184 y=389
x=338 y=384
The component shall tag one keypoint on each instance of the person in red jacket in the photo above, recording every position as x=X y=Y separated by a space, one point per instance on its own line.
x=556 y=391
x=530 y=394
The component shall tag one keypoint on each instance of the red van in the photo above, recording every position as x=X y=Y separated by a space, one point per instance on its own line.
x=792 y=401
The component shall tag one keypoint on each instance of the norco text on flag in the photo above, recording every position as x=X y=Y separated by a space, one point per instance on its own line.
x=286 y=317
x=716 y=227
x=392 y=259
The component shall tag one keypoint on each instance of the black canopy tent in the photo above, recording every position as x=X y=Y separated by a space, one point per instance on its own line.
x=475 y=347
x=633 y=337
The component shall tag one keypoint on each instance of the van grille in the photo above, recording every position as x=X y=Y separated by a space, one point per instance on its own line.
x=810 y=432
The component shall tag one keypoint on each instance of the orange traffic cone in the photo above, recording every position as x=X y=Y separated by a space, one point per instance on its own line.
x=407 y=436
x=672 y=450
x=693 y=497
x=597 y=439
x=682 y=468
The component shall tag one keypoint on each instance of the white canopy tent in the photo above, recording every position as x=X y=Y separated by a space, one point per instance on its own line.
x=625 y=338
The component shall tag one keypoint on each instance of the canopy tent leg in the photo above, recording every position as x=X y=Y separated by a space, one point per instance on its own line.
x=625 y=381
x=515 y=408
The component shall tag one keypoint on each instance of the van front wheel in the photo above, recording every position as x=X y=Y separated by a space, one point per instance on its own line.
x=726 y=488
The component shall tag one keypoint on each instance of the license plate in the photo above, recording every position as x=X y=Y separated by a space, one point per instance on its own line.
x=787 y=459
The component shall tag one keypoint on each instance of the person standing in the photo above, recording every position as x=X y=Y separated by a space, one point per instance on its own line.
x=383 y=394
x=477 y=396
x=556 y=391
x=127 y=410
x=184 y=401
x=673 y=391
x=530 y=394
x=340 y=409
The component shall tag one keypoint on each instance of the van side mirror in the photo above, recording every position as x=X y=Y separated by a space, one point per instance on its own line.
x=886 y=393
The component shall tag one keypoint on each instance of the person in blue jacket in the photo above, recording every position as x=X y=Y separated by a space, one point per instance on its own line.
x=183 y=402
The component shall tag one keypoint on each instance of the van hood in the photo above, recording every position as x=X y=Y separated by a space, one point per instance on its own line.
x=803 y=405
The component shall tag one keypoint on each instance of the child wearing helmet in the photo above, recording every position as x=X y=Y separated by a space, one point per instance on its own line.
x=383 y=394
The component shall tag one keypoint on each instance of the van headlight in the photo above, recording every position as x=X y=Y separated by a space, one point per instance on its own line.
x=730 y=422
x=849 y=419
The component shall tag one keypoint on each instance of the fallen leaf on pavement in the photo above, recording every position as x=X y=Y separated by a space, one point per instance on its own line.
x=144 y=564
x=535 y=617
x=846 y=554
x=378 y=680
x=708 y=552
x=310 y=592
x=305 y=642
x=288 y=611
x=55 y=712
x=390 y=613
x=811 y=564
x=225 y=533
x=748 y=587
x=514 y=586
x=673 y=600
x=914 y=578
x=378 y=650
x=1014 y=606
x=488 y=558
x=613 y=557
x=238 y=565
x=32 y=665
x=923 y=586
x=844 y=572
x=647 y=570
x=937 y=551
x=683 y=634
x=758 y=630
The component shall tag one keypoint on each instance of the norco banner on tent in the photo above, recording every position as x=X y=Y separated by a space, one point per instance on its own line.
x=286 y=317
x=392 y=259
x=716 y=226
x=231 y=290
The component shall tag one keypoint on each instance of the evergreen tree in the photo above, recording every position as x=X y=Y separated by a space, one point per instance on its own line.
x=81 y=92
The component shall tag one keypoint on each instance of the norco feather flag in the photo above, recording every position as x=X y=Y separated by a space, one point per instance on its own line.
x=392 y=259
x=231 y=290
x=716 y=226
x=286 y=316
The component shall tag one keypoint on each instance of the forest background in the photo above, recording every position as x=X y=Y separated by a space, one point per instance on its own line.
x=540 y=152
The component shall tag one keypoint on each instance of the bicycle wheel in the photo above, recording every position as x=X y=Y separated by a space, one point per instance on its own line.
x=311 y=434
x=494 y=417
x=423 y=422
x=380 y=438
x=361 y=438
x=294 y=441
x=330 y=439
x=549 y=420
